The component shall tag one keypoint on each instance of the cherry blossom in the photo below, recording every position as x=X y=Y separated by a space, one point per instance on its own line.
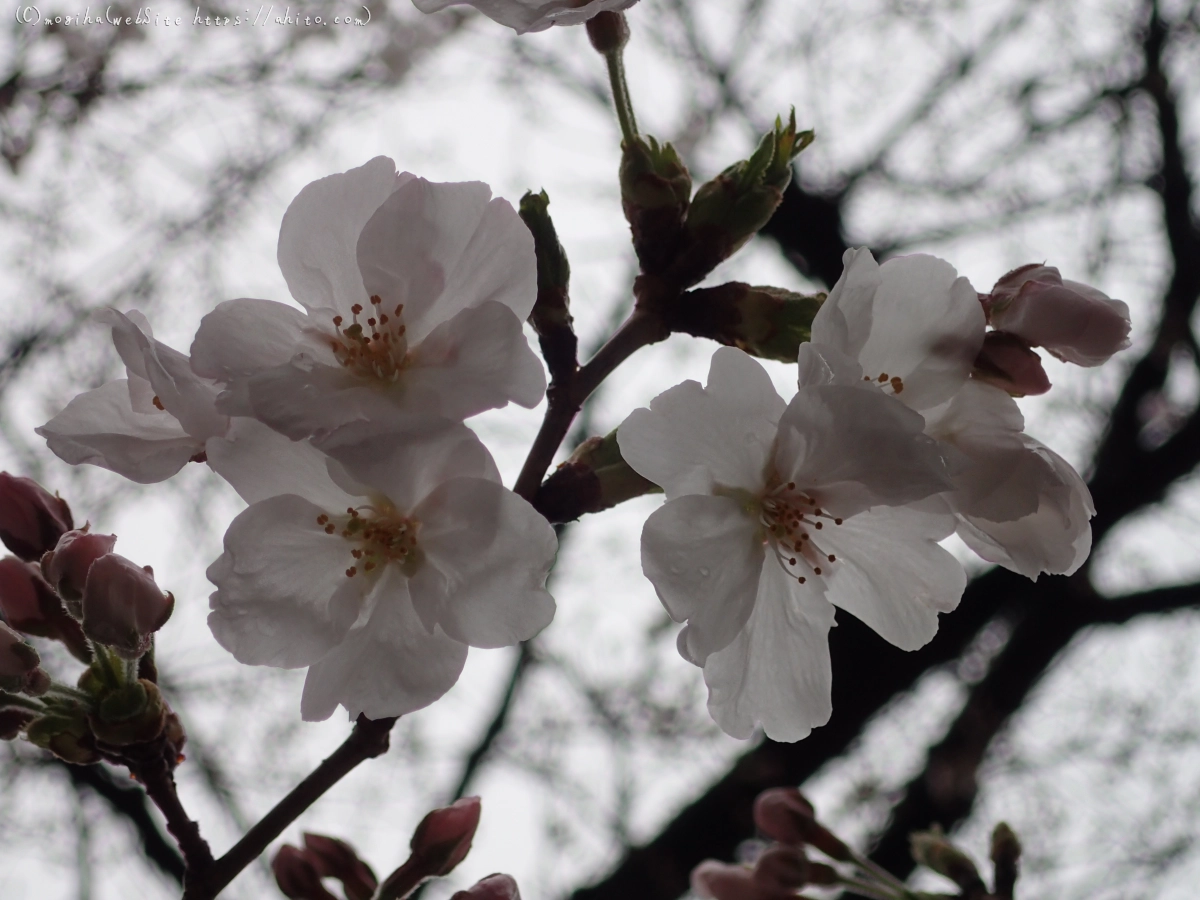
x=146 y=426
x=531 y=15
x=1073 y=321
x=774 y=512
x=916 y=329
x=413 y=295
x=375 y=558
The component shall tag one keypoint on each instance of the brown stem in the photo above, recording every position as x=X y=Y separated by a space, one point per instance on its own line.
x=565 y=400
x=160 y=787
x=368 y=740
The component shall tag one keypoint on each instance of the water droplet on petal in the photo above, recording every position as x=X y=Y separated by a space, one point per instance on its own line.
x=703 y=572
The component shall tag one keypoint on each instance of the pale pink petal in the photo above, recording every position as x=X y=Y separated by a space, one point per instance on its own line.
x=477 y=360
x=1056 y=539
x=693 y=438
x=388 y=665
x=441 y=248
x=820 y=364
x=260 y=463
x=486 y=554
x=857 y=448
x=777 y=671
x=912 y=318
x=283 y=597
x=242 y=337
x=891 y=573
x=531 y=15
x=407 y=459
x=306 y=397
x=704 y=555
x=320 y=231
x=101 y=428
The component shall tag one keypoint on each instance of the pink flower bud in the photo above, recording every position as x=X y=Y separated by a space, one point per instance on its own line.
x=784 y=815
x=714 y=880
x=1074 y=321
x=296 y=875
x=444 y=837
x=494 y=887
x=31 y=519
x=1006 y=361
x=336 y=859
x=19 y=664
x=66 y=566
x=782 y=868
x=122 y=606
x=26 y=602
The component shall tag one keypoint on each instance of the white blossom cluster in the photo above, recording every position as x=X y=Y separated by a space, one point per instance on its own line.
x=379 y=543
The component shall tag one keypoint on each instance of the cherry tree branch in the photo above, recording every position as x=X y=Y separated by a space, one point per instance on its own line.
x=370 y=738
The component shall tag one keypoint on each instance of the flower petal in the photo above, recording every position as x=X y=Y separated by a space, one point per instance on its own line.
x=407 y=459
x=891 y=573
x=856 y=447
x=282 y=597
x=320 y=230
x=913 y=318
x=441 y=248
x=531 y=15
x=777 y=671
x=1056 y=539
x=101 y=427
x=478 y=360
x=486 y=556
x=245 y=336
x=693 y=438
x=387 y=666
x=704 y=555
x=261 y=463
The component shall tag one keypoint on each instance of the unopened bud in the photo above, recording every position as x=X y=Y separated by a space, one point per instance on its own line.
x=551 y=314
x=122 y=605
x=594 y=478
x=782 y=868
x=333 y=858
x=608 y=32
x=31 y=519
x=1006 y=853
x=443 y=838
x=13 y=721
x=1007 y=362
x=67 y=736
x=767 y=322
x=934 y=851
x=19 y=665
x=296 y=875
x=786 y=816
x=656 y=189
x=132 y=714
x=714 y=880
x=26 y=601
x=66 y=567
x=494 y=887
x=1073 y=321
x=729 y=210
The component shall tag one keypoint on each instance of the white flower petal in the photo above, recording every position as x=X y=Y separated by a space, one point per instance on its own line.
x=242 y=337
x=260 y=463
x=101 y=427
x=531 y=15
x=704 y=555
x=478 y=360
x=891 y=573
x=692 y=437
x=441 y=248
x=486 y=556
x=282 y=598
x=387 y=666
x=820 y=364
x=306 y=397
x=856 y=448
x=777 y=671
x=320 y=231
x=1056 y=539
x=407 y=459
x=913 y=318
